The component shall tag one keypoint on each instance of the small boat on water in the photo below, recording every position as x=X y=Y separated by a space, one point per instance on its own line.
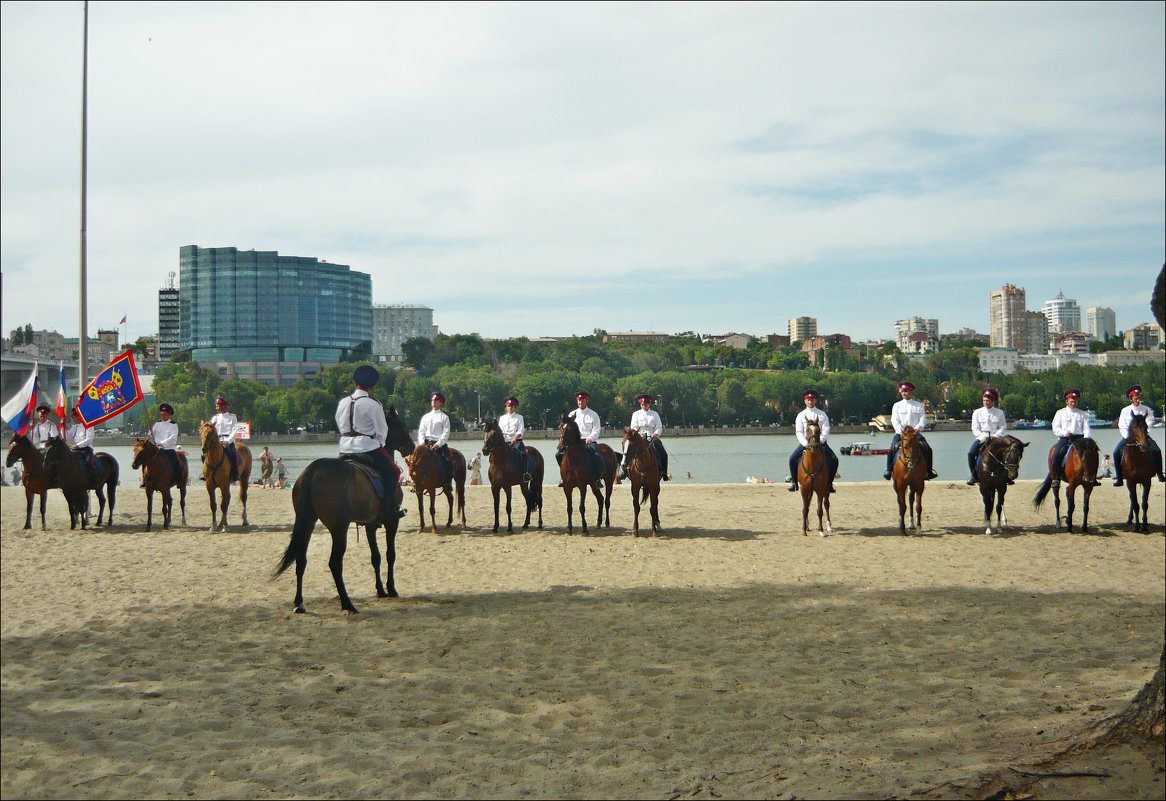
x=1031 y=425
x=863 y=449
x=1095 y=423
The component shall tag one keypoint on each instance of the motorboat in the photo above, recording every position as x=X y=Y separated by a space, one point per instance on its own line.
x=1031 y=425
x=863 y=449
x=1094 y=422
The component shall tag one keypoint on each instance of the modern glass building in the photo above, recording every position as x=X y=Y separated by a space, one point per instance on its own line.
x=270 y=318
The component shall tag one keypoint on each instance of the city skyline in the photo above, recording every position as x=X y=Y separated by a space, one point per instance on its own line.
x=535 y=170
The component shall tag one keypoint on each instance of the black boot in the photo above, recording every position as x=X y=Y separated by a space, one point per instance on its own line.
x=887 y=475
x=971 y=481
x=793 y=487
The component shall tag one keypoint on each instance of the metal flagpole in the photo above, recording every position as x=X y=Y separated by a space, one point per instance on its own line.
x=83 y=338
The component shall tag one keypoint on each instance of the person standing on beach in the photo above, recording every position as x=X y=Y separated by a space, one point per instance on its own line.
x=267 y=463
x=1069 y=424
x=908 y=412
x=646 y=420
x=434 y=432
x=811 y=412
x=363 y=428
x=280 y=472
x=475 y=468
x=987 y=422
x=1135 y=409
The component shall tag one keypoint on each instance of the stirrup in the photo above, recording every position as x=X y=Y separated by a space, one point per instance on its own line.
x=887 y=475
x=972 y=481
x=932 y=474
x=792 y=488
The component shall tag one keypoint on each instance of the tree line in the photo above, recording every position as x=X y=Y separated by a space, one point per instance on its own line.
x=694 y=383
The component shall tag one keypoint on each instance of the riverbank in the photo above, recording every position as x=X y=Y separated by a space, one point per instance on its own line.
x=731 y=657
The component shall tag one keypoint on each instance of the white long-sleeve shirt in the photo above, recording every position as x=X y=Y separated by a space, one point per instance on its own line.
x=512 y=425
x=79 y=436
x=367 y=429
x=647 y=421
x=806 y=415
x=588 y=422
x=988 y=423
x=908 y=413
x=435 y=426
x=165 y=434
x=1071 y=421
x=225 y=424
x=1127 y=416
x=41 y=433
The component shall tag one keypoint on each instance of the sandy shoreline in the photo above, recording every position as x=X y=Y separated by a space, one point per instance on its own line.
x=731 y=657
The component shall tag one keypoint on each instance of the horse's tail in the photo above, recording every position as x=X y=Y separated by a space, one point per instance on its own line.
x=305 y=522
x=1042 y=492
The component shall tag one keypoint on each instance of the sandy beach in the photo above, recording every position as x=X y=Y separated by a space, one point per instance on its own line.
x=731 y=657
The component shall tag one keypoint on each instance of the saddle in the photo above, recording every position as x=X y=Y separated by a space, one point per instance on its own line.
x=365 y=465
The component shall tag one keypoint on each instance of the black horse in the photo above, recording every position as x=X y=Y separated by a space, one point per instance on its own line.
x=999 y=463
x=339 y=492
x=75 y=480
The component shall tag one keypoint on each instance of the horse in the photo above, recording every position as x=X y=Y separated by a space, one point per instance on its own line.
x=575 y=470
x=909 y=475
x=1080 y=471
x=217 y=469
x=425 y=474
x=504 y=473
x=998 y=464
x=339 y=492
x=36 y=479
x=644 y=472
x=75 y=481
x=1137 y=470
x=814 y=478
x=158 y=477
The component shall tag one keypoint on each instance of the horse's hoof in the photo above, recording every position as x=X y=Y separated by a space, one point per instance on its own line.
x=300 y=609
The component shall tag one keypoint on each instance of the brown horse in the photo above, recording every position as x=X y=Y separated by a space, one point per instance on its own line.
x=999 y=463
x=36 y=480
x=76 y=481
x=158 y=477
x=339 y=492
x=814 y=478
x=909 y=475
x=218 y=473
x=1137 y=470
x=1080 y=471
x=644 y=472
x=505 y=473
x=425 y=473
x=575 y=471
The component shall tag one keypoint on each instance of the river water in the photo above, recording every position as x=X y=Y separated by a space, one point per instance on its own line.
x=721 y=459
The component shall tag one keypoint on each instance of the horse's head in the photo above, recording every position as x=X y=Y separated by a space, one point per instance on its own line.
x=813 y=435
x=399 y=438
x=1012 y=456
x=1139 y=432
x=144 y=451
x=568 y=431
x=908 y=439
x=18 y=448
x=491 y=436
x=633 y=440
x=55 y=451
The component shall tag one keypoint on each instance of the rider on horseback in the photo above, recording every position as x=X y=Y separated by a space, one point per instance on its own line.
x=80 y=439
x=434 y=432
x=811 y=412
x=1069 y=424
x=512 y=426
x=1138 y=409
x=363 y=430
x=647 y=421
x=987 y=422
x=225 y=424
x=908 y=412
x=164 y=433
x=589 y=431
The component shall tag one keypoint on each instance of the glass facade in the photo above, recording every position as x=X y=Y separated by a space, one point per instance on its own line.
x=257 y=306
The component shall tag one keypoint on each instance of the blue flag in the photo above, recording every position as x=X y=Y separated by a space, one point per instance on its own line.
x=114 y=390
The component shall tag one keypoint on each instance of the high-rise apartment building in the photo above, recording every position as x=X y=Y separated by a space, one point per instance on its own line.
x=1064 y=315
x=917 y=335
x=168 y=320
x=1035 y=338
x=392 y=325
x=1102 y=322
x=1006 y=317
x=802 y=328
x=270 y=318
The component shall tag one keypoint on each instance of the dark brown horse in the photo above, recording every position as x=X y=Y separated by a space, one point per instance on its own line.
x=909 y=475
x=1137 y=470
x=425 y=473
x=644 y=472
x=814 y=478
x=999 y=463
x=505 y=473
x=339 y=492
x=218 y=473
x=1080 y=471
x=76 y=481
x=36 y=480
x=575 y=471
x=158 y=477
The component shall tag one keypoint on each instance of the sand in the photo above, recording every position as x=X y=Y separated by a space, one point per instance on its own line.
x=731 y=657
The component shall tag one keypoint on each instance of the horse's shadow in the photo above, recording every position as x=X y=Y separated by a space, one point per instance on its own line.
x=689 y=533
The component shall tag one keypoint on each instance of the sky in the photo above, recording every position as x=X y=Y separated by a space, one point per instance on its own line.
x=549 y=169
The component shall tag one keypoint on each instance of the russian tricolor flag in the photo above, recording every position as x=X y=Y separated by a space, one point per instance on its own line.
x=18 y=411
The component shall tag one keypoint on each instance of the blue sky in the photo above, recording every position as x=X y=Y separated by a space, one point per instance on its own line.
x=549 y=169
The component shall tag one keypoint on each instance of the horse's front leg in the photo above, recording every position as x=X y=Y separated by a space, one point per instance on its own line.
x=1071 y=504
x=370 y=533
x=449 y=499
x=420 y=507
x=150 y=509
x=496 y=491
x=432 y=510
x=902 y=510
x=224 y=506
x=336 y=565
x=167 y=507
x=509 y=522
x=583 y=506
x=100 y=506
x=391 y=557
x=598 y=493
x=570 y=509
x=654 y=507
x=1088 y=490
x=214 y=509
x=635 y=509
x=806 y=494
x=242 y=501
